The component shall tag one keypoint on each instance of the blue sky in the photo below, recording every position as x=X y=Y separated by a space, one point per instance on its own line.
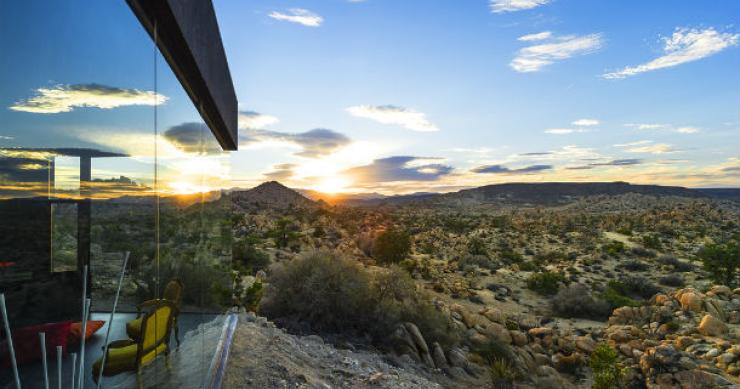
x=416 y=95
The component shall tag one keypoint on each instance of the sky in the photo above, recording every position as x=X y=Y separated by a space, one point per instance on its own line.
x=393 y=96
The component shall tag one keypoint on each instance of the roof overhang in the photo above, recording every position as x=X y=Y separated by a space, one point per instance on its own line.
x=187 y=34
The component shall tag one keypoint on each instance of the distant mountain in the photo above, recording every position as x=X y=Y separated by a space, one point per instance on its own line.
x=547 y=193
x=722 y=193
x=271 y=194
x=560 y=192
x=277 y=195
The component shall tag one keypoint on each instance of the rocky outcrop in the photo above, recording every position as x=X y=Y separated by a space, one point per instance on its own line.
x=683 y=339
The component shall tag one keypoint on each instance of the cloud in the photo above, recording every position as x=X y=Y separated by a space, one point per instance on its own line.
x=300 y=16
x=615 y=162
x=255 y=120
x=314 y=143
x=646 y=147
x=646 y=126
x=65 y=98
x=391 y=114
x=3 y=137
x=534 y=58
x=535 y=37
x=657 y=126
x=399 y=168
x=688 y=130
x=281 y=172
x=564 y=131
x=501 y=6
x=685 y=45
x=500 y=169
x=536 y=154
x=586 y=122
x=192 y=137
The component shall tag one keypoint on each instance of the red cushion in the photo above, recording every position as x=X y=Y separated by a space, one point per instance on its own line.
x=75 y=330
x=27 y=346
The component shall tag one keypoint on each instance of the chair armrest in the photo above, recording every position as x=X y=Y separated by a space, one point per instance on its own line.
x=120 y=343
x=146 y=304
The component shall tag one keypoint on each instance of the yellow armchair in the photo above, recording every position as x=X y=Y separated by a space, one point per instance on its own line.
x=132 y=354
x=172 y=293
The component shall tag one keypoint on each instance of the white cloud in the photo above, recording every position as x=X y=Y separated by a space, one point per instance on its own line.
x=564 y=131
x=255 y=120
x=646 y=126
x=390 y=114
x=657 y=126
x=534 y=58
x=647 y=147
x=535 y=37
x=586 y=122
x=3 y=137
x=501 y=6
x=65 y=98
x=688 y=130
x=685 y=45
x=300 y=16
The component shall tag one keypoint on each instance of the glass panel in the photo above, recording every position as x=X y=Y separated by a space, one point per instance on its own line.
x=64 y=237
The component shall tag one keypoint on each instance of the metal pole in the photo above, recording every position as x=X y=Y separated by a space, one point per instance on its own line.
x=42 y=340
x=6 y=323
x=81 y=374
x=110 y=321
x=59 y=367
x=74 y=368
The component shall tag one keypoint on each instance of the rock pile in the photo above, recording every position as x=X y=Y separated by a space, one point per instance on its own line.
x=684 y=339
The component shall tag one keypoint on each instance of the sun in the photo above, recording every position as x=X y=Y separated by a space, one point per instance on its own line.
x=332 y=185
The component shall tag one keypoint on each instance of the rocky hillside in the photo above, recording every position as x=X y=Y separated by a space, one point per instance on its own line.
x=271 y=194
x=264 y=356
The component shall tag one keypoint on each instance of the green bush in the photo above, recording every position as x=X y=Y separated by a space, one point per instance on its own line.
x=248 y=257
x=476 y=246
x=613 y=248
x=502 y=372
x=493 y=351
x=392 y=246
x=480 y=261
x=333 y=294
x=576 y=301
x=545 y=283
x=603 y=363
x=652 y=241
x=722 y=262
x=637 y=287
x=617 y=300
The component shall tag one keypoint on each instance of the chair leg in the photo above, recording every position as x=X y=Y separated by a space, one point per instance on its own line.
x=177 y=334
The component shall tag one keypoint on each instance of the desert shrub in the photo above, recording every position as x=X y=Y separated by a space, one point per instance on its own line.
x=330 y=293
x=494 y=350
x=652 y=241
x=511 y=256
x=634 y=286
x=545 y=283
x=643 y=252
x=625 y=231
x=677 y=265
x=613 y=248
x=285 y=232
x=551 y=257
x=722 y=262
x=248 y=257
x=673 y=280
x=503 y=373
x=253 y=296
x=476 y=246
x=481 y=261
x=391 y=246
x=576 y=301
x=616 y=300
x=603 y=363
x=319 y=232
x=635 y=266
x=528 y=266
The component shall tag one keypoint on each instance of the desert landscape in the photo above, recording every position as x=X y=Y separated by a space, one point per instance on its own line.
x=603 y=285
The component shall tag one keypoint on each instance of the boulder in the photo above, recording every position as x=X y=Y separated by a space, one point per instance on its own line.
x=498 y=332
x=585 y=344
x=711 y=326
x=691 y=301
x=518 y=338
x=438 y=355
x=421 y=344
